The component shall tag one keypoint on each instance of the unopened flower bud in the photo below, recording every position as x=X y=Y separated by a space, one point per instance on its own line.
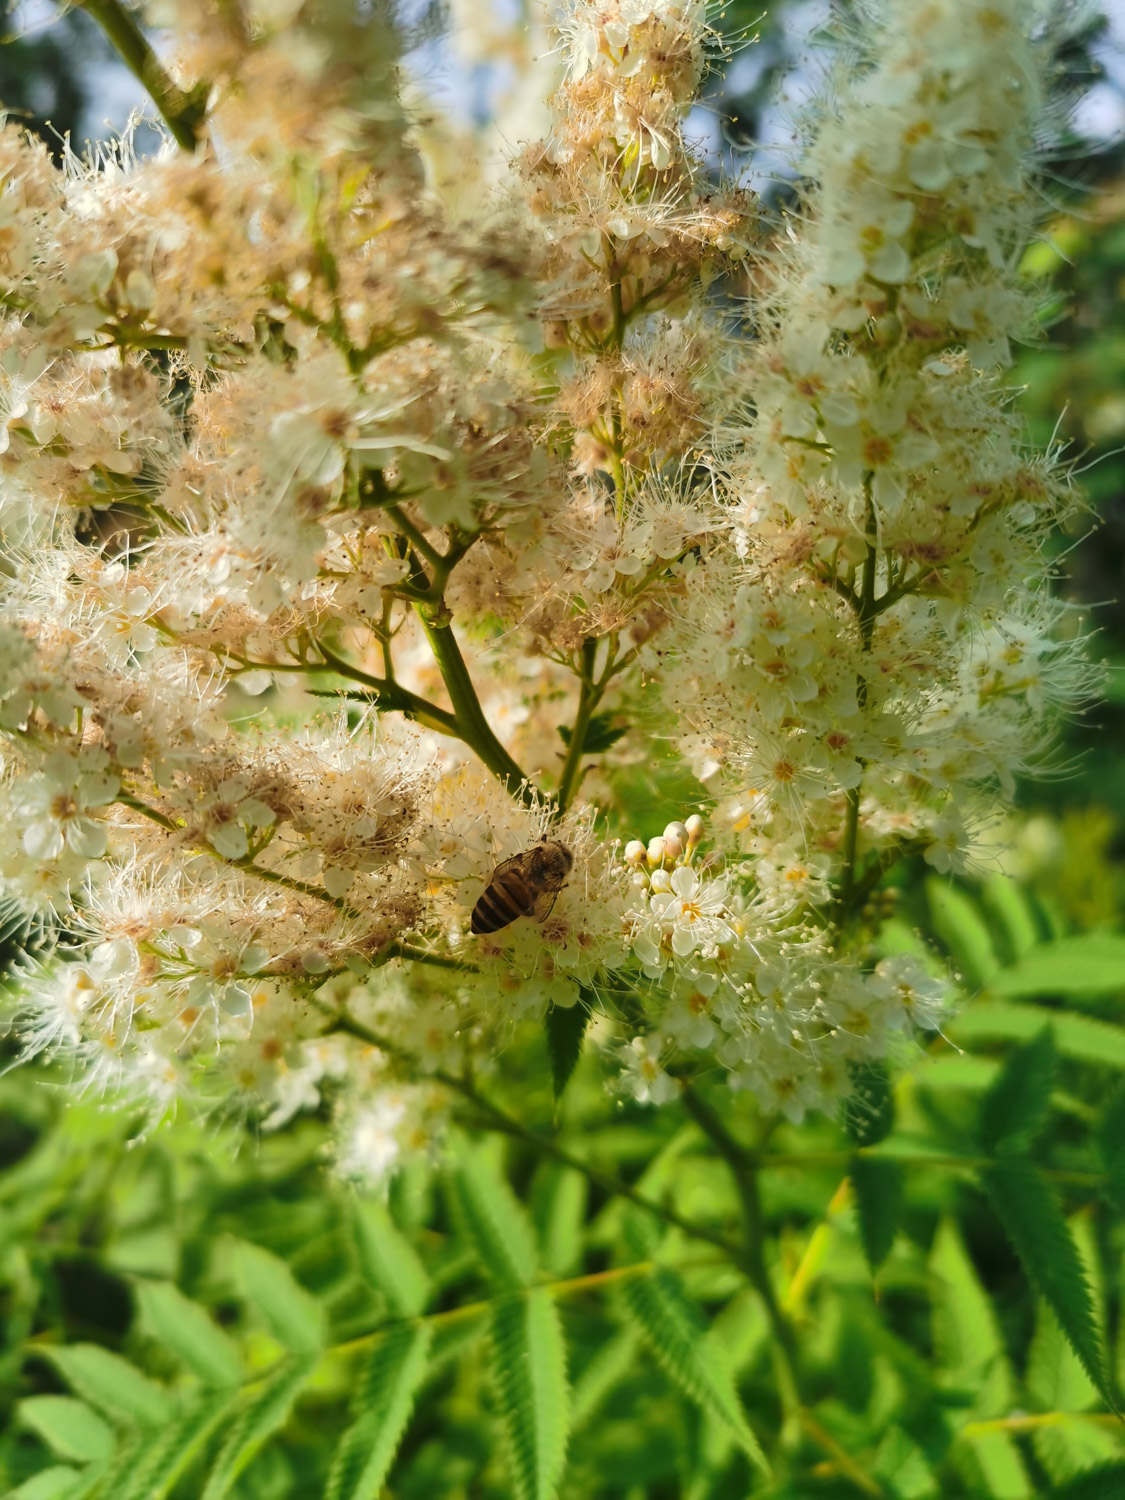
x=656 y=851
x=694 y=827
x=140 y=294
x=675 y=840
x=661 y=880
x=887 y=330
x=634 y=852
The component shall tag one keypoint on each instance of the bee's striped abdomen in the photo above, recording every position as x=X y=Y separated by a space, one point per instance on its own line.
x=516 y=885
x=505 y=898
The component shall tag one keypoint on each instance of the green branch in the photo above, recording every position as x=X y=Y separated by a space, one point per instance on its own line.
x=866 y=613
x=919 y=1160
x=472 y=726
x=246 y=866
x=389 y=694
x=426 y=594
x=589 y=694
x=245 y=863
x=416 y=955
x=559 y=1286
x=182 y=113
x=419 y=542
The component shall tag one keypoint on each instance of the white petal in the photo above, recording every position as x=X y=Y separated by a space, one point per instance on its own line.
x=43 y=840
x=229 y=840
x=235 y=1001
x=683 y=940
x=97 y=790
x=890 y=263
x=337 y=881
x=86 y=836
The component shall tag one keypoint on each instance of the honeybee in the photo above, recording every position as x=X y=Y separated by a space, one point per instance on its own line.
x=517 y=885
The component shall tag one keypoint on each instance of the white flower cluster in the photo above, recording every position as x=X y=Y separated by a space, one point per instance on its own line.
x=355 y=553
x=736 y=969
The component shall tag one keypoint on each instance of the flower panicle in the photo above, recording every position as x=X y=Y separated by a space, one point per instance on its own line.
x=358 y=546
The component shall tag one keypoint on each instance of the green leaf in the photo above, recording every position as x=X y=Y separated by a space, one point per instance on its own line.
x=902 y=1464
x=869 y=1110
x=1014 y=1111
x=381 y=1409
x=742 y=1328
x=1081 y=1037
x=294 y=1317
x=1033 y=1221
x=494 y=1221
x=993 y=1465
x=601 y=733
x=614 y=1361
x=1111 y=1145
x=154 y=1472
x=878 y=1186
x=961 y=927
x=529 y=1376
x=69 y=1427
x=111 y=1384
x=388 y=1260
x=965 y=1332
x=187 y=1330
x=1072 y=1442
x=1106 y=1482
x=263 y=1411
x=671 y=1325
x=1055 y=1379
x=1058 y=1384
x=1082 y=964
x=1009 y=904
x=967 y=1074
x=56 y=1483
x=565 y=1026
x=559 y=1201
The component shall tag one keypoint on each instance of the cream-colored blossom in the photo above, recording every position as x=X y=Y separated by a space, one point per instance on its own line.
x=301 y=441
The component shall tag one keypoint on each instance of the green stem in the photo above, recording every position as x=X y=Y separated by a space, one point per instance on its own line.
x=127 y=799
x=866 y=614
x=417 y=539
x=122 y=337
x=424 y=956
x=386 y=635
x=247 y=866
x=861 y=885
x=472 y=726
x=290 y=882
x=867 y=610
x=920 y=1159
x=589 y=694
x=560 y=1286
x=850 y=852
x=390 y=694
x=182 y=113
x=900 y=590
x=615 y=341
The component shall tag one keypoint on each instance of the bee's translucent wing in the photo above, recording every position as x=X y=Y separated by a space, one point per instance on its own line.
x=550 y=897
x=516 y=862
